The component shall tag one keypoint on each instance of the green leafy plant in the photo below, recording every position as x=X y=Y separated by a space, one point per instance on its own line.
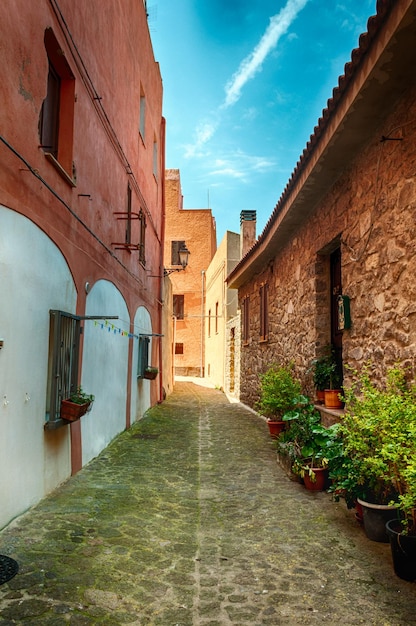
x=309 y=444
x=279 y=391
x=80 y=397
x=379 y=438
x=325 y=371
x=151 y=370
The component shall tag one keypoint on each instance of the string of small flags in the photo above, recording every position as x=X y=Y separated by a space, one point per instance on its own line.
x=108 y=326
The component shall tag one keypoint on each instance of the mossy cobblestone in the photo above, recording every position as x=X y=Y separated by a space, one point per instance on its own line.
x=187 y=520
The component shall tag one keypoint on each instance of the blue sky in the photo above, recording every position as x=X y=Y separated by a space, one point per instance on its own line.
x=245 y=83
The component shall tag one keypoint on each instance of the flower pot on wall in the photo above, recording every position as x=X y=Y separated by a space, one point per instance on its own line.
x=403 y=551
x=150 y=374
x=71 y=411
x=375 y=517
x=332 y=400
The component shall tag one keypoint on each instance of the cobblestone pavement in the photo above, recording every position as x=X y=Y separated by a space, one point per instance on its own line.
x=186 y=519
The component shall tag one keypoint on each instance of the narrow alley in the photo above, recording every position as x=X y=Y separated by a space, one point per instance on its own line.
x=187 y=520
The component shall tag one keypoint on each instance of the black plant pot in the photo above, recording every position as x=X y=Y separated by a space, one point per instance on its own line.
x=403 y=551
x=375 y=517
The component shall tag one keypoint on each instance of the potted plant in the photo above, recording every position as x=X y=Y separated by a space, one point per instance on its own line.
x=321 y=378
x=150 y=372
x=279 y=391
x=76 y=405
x=332 y=393
x=378 y=431
x=309 y=444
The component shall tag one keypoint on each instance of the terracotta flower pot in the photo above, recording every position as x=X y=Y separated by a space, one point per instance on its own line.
x=319 y=482
x=275 y=428
x=332 y=400
x=320 y=396
x=71 y=411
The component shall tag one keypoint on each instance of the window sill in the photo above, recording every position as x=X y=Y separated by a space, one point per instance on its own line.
x=265 y=340
x=55 y=424
x=61 y=171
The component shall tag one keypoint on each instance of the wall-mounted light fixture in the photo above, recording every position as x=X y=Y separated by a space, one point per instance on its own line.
x=183 y=259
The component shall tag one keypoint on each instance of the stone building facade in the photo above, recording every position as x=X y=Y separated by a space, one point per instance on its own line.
x=344 y=225
x=233 y=356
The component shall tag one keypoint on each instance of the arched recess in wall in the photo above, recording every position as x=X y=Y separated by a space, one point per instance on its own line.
x=140 y=400
x=104 y=367
x=34 y=278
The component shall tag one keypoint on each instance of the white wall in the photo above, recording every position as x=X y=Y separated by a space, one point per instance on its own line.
x=34 y=277
x=104 y=369
x=140 y=388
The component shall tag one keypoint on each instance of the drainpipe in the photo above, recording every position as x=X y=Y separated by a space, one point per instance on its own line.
x=202 y=323
x=162 y=245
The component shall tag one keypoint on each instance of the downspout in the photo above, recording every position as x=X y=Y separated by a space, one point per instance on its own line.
x=161 y=264
x=201 y=373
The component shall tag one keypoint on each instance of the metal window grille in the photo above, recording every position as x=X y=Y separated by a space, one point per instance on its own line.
x=264 y=312
x=143 y=357
x=142 y=246
x=64 y=340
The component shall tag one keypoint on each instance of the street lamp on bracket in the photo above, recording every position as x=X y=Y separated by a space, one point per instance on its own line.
x=183 y=259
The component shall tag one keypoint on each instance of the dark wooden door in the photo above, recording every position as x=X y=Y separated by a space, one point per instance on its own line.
x=336 y=290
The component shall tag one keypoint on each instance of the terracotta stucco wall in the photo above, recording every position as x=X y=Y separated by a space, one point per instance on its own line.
x=197 y=228
x=71 y=201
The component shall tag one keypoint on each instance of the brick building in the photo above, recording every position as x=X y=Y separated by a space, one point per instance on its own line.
x=345 y=223
x=194 y=228
x=81 y=215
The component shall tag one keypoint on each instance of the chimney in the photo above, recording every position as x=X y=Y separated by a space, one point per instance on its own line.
x=247 y=231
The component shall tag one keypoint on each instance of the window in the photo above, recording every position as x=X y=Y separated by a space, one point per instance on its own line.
x=264 y=312
x=216 y=317
x=176 y=246
x=209 y=323
x=178 y=348
x=246 y=319
x=128 y=217
x=178 y=306
x=64 y=340
x=142 y=122
x=142 y=241
x=56 y=123
x=143 y=355
x=155 y=158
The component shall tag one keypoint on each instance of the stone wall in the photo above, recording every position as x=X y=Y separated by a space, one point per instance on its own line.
x=370 y=213
x=233 y=356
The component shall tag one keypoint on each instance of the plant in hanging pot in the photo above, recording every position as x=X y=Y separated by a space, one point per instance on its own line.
x=278 y=393
x=76 y=405
x=150 y=372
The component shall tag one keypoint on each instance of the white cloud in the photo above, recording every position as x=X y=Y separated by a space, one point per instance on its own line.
x=239 y=166
x=203 y=133
x=279 y=24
